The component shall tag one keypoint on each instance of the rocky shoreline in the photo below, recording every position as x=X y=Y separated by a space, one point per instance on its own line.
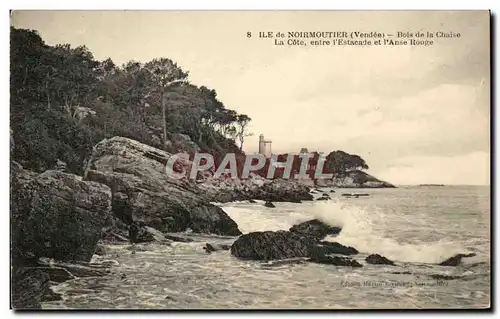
x=60 y=220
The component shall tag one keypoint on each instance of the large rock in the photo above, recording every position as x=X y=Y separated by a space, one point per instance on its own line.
x=144 y=193
x=315 y=228
x=55 y=215
x=270 y=245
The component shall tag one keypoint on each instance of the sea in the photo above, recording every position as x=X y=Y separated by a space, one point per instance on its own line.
x=417 y=227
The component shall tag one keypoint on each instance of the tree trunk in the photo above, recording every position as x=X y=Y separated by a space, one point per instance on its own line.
x=164 y=121
x=47 y=92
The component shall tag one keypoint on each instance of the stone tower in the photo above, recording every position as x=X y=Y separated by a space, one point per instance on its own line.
x=262 y=145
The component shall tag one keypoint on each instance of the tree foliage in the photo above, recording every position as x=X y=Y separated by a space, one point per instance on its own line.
x=341 y=162
x=52 y=85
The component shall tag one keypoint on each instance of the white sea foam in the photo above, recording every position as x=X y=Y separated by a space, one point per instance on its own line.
x=367 y=231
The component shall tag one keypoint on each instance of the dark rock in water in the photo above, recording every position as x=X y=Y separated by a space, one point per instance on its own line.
x=215 y=247
x=143 y=193
x=335 y=248
x=27 y=288
x=208 y=249
x=145 y=234
x=56 y=215
x=251 y=201
x=337 y=261
x=269 y=204
x=315 y=228
x=376 y=259
x=332 y=191
x=178 y=238
x=444 y=277
x=354 y=195
x=401 y=273
x=323 y=198
x=456 y=260
x=270 y=245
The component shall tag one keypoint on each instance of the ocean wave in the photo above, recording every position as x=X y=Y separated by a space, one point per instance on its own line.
x=369 y=232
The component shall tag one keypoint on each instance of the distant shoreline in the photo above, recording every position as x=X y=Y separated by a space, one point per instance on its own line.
x=433 y=185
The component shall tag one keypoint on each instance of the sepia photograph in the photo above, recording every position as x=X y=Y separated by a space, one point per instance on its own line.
x=271 y=160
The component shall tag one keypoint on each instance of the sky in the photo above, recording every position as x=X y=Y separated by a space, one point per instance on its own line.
x=416 y=114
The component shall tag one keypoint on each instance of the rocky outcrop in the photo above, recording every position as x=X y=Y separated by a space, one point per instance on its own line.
x=315 y=228
x=354 y=179
x=377 y=259
x=271 y=245
x=456 y=260
x=55 y=215
x=143 y=193
x=255 y=187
